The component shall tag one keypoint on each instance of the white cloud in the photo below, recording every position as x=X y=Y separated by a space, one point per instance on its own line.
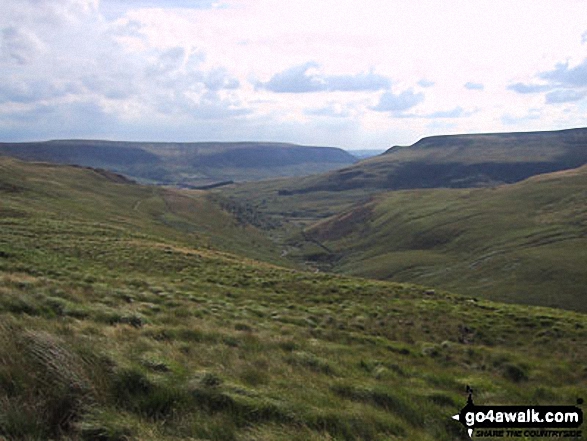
x=333 y=110
x=564 y=84
x=298 y=79
x=529 y=88
x=515 y=120
x=564 y=96
x=337 y=68
x=168 y=61
x=474 y=86
x=390 y=102
x=13 y=90
x=564 y=75
x=306 y=78
x=425 y=83
x=84 y=66
x=48 y=12
x=19 y=45
x=457 y=112
x=219 y=78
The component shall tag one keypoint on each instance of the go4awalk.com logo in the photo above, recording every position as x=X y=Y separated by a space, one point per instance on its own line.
x=521 y=421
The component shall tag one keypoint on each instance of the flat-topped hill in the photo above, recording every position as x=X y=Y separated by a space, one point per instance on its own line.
x=458 y=161
x=187 y=164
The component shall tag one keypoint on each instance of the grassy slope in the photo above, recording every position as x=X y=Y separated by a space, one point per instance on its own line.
x=117 y=322
x=78 y=193
x=525 y=242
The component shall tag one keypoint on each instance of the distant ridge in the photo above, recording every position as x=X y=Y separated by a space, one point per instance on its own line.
x=458 y=161
x=186 y=163
x=569 y=136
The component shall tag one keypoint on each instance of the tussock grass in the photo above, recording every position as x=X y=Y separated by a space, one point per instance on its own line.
x=118 y=330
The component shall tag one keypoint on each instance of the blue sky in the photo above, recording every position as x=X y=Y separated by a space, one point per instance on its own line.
x=357 y=75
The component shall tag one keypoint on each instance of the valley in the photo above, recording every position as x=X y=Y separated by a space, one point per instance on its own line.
x=189 y=165
x=137 y=312
x=520 y=242
x=230 y=220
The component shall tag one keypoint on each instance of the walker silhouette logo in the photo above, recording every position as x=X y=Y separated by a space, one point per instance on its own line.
x=516 y=421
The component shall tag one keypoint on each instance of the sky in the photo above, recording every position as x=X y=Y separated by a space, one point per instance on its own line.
x=365 y=74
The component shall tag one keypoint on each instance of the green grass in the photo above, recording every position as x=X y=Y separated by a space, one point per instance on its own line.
x=116 y=324
x=521 y=243
x=97 y=200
